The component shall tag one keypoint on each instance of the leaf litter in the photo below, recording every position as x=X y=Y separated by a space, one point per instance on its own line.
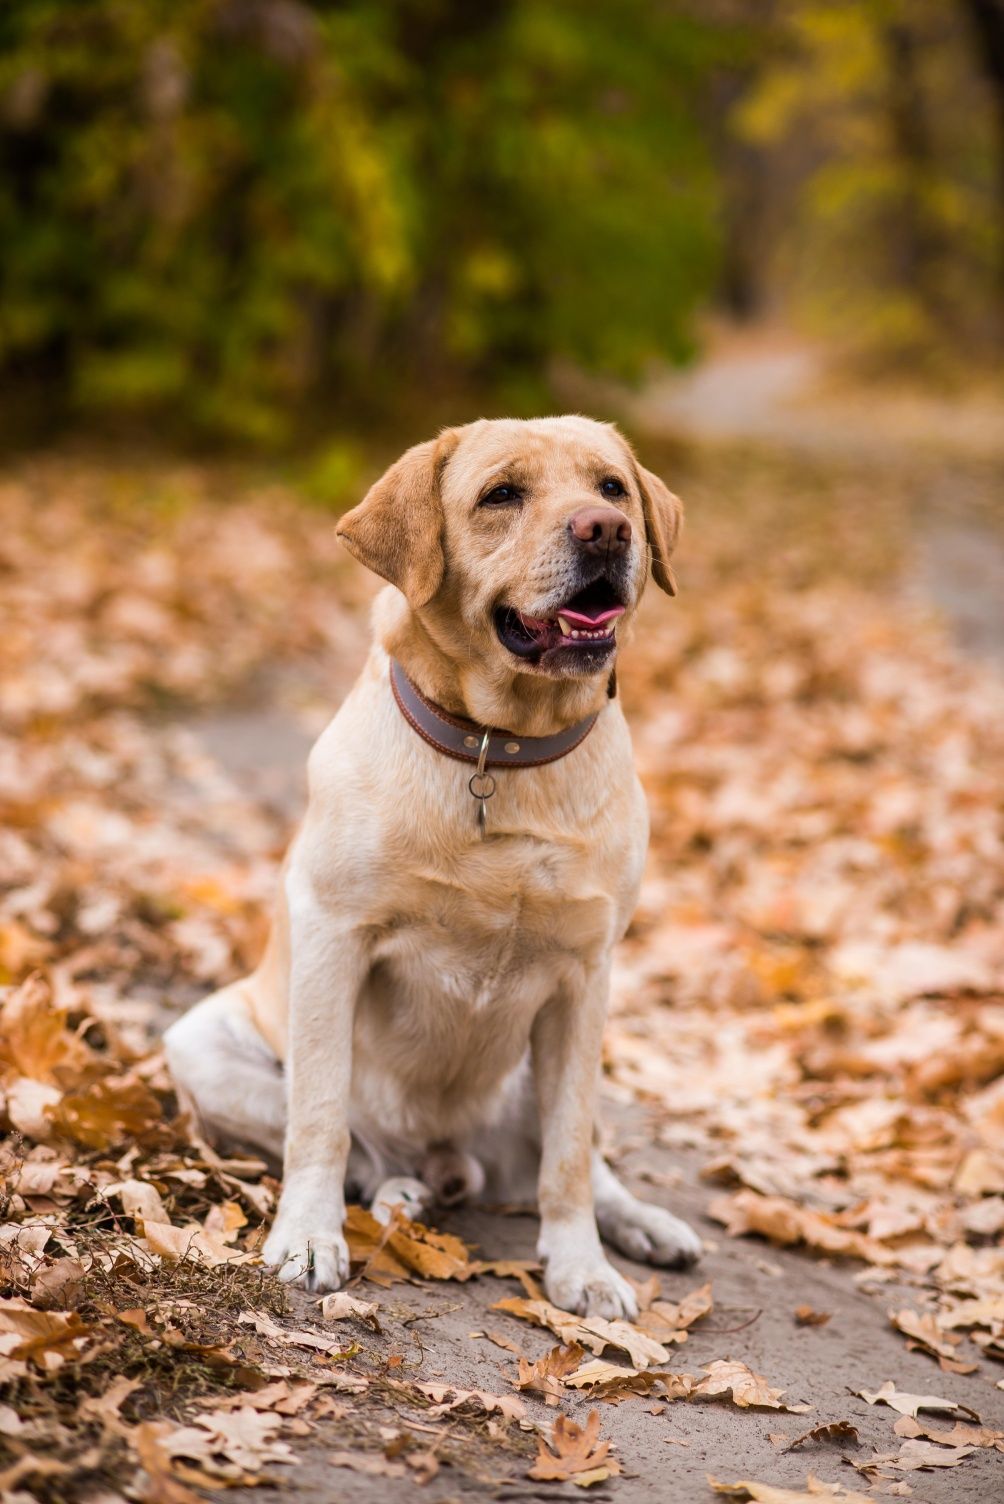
x=829 y=903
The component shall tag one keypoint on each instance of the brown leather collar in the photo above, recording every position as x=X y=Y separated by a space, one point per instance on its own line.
x=463 y=739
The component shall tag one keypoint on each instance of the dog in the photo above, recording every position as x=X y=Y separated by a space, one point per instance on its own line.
x=426 y=1023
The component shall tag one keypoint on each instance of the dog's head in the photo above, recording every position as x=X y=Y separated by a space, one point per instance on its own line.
x=528 y=543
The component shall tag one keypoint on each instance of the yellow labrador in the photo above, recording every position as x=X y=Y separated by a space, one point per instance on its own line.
x=426 y=1023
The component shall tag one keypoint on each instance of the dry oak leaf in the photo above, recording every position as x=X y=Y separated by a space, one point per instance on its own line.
x=39 y=1467
x=786 y=1222
x=340 y=1305
x=161 y=1487
x=368 y=1462
x=815 y=1492
x=289 y=1336
x=913 y=1456
x=609 y=1381
x=402 y=1249
x=970 y=1313
x=669 y=1322
x=224 y=1221
x=446 y=1397
x=139 y=1199
x=244 y=1438
x=191 y=1242
x=836 y=1432
x=500 y=1340
x=26 y=1333
x=578 y=1455
x=108 y=1113
x=283 y=1396
x=592 y=1332
x=546 y=1375
x=35 y=1041
x=923 y=1335
x=960 y=1435
x=519 y=1269
x=910 y=1404
x=806 y=1316
x=28 y=1105
x=748 y=1389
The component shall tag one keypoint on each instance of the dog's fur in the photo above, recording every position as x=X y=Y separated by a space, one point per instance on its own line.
x=431 y=1002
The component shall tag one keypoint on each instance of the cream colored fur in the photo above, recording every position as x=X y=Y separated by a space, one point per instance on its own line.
x=427 y=1019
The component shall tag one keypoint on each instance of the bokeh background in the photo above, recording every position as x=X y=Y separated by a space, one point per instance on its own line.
x=260 y=220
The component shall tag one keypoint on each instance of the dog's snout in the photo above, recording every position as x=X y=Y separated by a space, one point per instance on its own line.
x=600 y=530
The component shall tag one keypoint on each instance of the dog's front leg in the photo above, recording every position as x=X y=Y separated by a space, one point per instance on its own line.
x=566 y=1042
x=328 y=965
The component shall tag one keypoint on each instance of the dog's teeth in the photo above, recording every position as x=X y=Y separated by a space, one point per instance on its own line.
x=566 y=630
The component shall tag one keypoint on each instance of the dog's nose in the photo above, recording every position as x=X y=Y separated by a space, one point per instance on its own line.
x=600 y=530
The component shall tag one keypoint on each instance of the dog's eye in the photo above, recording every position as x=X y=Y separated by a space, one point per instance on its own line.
x=501 y=496
x=612 y=487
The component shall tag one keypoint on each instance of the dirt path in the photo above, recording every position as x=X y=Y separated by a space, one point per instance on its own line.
x=667 y=1451
x=775 y=392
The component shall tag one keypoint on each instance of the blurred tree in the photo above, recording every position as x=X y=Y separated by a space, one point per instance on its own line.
x=223 y=207
x=889 y=230
x=986 y=18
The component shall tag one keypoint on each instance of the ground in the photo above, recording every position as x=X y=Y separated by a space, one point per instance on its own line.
x=805 y=1048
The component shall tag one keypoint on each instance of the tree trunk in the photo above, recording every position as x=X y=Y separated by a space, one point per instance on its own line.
x=920 y=242
x=986 y=25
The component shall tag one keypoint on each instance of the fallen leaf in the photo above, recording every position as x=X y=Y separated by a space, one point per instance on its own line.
x=575 y=1455
x=924 y=1335
x=969 y=1313
x=264 y=1325
x=591 y=1332
x=368 y=1463
x=669 y=1322
x=806 y=1316
x=139 y=1199
x=959 y=1436
x=610 y=1381
x=815 y=1492
x=500 y=1340
x=107 y=1113
x=340 y=1305
x=43 y=1337
x=908 y=1404
x=402 y=1249
x=835 y=1432
x=914 y=1456
x=446 y=1397
x=746 y=1388
x=544 y=1377
x=192 y=1242
x=786 y=1222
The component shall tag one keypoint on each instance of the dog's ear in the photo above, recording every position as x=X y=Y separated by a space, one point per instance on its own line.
x=663 y=520
x=397 y=528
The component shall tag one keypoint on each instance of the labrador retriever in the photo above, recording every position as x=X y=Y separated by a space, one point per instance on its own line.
x=426 y=1023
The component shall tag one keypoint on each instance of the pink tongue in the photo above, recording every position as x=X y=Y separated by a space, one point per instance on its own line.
x=578 y=619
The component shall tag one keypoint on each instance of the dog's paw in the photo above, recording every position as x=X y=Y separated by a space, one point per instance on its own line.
x=589 y=1287
x=652 y=1235
x=302 y=1252
x=413 y=1197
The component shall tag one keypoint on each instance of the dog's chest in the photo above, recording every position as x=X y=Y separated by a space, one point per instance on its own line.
x=499 y=923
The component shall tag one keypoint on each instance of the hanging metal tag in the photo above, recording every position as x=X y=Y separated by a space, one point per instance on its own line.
x=481 y=785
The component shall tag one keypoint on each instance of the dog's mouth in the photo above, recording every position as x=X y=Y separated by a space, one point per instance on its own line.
x=583 y=630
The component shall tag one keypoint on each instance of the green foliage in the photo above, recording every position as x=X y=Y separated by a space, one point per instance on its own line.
x=226 y=208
